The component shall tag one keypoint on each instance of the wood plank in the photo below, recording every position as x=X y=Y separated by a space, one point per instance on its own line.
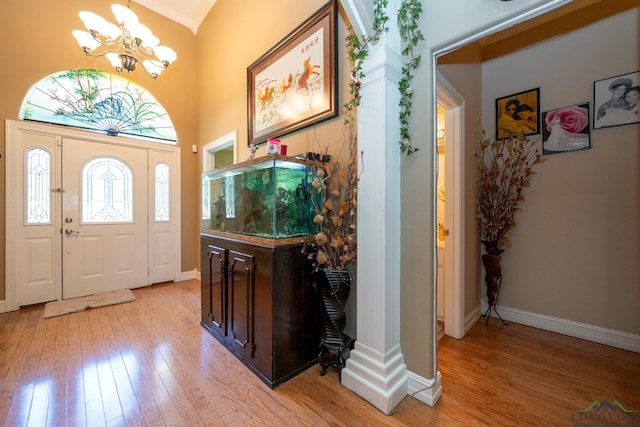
x=132 y=415
x=134 y=349
x=94 y=406
x=108 y=391
x=59 y=375
x=18 y=379
x=76 y=411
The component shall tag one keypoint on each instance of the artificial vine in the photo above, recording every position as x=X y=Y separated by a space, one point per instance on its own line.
x=358 y=51
x=410 y=35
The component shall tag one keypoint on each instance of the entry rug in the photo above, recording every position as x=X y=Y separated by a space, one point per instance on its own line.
x=73 y=305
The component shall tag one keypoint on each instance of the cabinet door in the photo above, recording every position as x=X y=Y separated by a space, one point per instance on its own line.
x=214 y=301
x=241 y=303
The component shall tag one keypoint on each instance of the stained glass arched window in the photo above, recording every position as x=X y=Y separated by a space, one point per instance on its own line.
x=162 y=192
x=38 y=186
x=96 y=100
x=107 y=191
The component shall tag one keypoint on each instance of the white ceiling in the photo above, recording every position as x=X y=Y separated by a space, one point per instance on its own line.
x=189 y=13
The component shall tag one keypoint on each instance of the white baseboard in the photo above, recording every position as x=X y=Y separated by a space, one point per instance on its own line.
x=425 y=390
x=471 y=319
x=188 y=275
x=3 y=306
x=583 y=331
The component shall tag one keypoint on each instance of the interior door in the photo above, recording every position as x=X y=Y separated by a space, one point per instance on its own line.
x=104 y=218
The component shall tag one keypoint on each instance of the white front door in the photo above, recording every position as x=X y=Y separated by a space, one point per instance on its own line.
x=104 y=218
x=57 y=245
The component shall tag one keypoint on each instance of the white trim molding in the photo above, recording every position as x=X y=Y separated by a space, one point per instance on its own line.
x=424 y=389
x=188 y=275
x=583 y=331
x=380 y=379
x=225 y=141
x=471 y=319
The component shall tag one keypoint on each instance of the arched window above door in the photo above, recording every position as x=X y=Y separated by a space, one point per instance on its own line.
x=96 y=100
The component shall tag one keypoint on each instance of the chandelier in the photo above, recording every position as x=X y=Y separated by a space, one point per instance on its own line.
x=126 y=44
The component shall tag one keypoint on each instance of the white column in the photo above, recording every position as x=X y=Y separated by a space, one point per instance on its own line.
x=376 y=370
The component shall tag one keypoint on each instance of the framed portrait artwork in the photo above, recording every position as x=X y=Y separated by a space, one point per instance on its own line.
x=615 y=100
x=518 y=114
x=294 y=84
x=566 y=129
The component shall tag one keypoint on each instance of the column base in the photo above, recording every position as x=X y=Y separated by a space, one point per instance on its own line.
x=381 y=379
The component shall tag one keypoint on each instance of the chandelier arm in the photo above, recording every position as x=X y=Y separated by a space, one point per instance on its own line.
x=97 y=55
x=106 y=41
x=152 y=75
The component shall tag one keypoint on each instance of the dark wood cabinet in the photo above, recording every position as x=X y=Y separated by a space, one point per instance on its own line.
x=257 y=300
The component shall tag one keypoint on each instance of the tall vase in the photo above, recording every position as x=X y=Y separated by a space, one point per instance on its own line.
x=493 y=276
x=335 y=286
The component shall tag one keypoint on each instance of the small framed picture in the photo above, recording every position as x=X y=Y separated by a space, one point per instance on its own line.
x=615 y=100
x=518 y=114
x=566 y=129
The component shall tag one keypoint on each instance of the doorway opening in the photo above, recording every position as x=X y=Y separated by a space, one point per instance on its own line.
x=220 y=152
x=450 y=231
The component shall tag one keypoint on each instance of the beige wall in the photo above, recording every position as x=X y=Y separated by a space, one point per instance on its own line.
x=607 y=265
x=232 y=37
x=576 y=250
x=37 y=41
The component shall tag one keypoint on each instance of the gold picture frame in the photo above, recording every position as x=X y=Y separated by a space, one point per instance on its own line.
x=518 y=113
x=294 y=84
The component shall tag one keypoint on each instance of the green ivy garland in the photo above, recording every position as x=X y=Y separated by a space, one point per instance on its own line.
x=410 y=35
x=358 y=51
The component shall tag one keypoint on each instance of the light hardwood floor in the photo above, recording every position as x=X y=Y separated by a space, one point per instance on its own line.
x=149 y=363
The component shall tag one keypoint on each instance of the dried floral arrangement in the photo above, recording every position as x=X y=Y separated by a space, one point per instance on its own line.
x=506 y=169
x=334 y=199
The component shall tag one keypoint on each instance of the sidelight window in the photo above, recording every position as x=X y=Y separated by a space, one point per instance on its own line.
x=38 y=186
x=162 y=192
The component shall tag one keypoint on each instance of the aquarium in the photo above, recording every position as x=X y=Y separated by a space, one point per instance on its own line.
x=265 y=197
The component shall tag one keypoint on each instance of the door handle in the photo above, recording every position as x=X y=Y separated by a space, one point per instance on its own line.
x=70 y=232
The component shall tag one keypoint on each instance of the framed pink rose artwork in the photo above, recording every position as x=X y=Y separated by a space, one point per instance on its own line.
x=566 y=129
x=615 y=100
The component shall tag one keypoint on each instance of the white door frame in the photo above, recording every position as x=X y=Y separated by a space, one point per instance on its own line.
x=209 y=150
x=14 y=256
x=453 y=103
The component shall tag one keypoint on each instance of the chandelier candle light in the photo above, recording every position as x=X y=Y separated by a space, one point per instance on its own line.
x=125 y=44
